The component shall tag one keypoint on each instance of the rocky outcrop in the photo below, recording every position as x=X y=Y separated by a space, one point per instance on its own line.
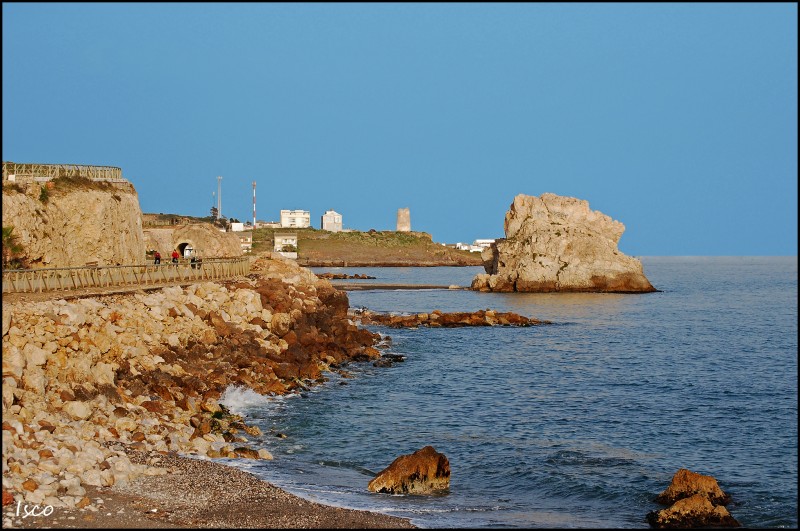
x=694 y=512
x=556 y=243
x=87 y=379
x=437 y=319
x=686 y=483
x=695 y=501
x=74 y=222
x=426 y=471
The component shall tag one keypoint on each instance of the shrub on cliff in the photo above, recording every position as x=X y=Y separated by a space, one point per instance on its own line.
x=13 y=251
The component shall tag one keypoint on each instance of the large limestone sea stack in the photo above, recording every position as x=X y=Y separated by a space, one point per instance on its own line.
x=556 y=243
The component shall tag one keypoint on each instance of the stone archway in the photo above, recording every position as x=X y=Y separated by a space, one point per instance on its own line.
x=186 y=249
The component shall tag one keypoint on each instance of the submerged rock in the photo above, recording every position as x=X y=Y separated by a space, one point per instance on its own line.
x=556 y=243
x=426 y=471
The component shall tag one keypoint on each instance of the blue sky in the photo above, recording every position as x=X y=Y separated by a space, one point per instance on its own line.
x=679 y=120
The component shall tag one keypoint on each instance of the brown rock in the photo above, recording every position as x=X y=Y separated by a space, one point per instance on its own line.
x=30 y=485
x=154 y=406
x=222 y=328
x=696 y=511
x=245 y=452
x=686 y=483
x=47 y=426
x=85 y=502
x=67 y=396
x=8 y=498
x=423 y=472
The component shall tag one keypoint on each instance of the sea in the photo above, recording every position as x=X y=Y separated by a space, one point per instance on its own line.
x=575 y=424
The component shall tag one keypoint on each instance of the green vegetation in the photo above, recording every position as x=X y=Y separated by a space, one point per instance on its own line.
x=13 y=251
x=367 y=248
x=44 y=196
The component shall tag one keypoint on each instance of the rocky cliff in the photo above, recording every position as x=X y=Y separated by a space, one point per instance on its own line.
x=69 y=222
x=556 y=243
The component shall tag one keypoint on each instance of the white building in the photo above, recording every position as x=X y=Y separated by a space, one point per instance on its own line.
x=285 y=244
x=246 y=240
x=476 y=246
x=332 y=221
x=295 y=219
x=237 y=227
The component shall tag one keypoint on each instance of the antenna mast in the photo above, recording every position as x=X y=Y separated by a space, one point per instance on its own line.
x=254 y=204
x=219 y=197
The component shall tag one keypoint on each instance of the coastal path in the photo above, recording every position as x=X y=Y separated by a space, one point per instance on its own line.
x=65 y=279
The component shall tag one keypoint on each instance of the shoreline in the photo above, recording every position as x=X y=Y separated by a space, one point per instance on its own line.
x=108 y=396
x=200 y=493
x=352 y=286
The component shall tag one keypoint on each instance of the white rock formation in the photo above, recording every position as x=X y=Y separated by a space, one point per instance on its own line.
x=556 y=243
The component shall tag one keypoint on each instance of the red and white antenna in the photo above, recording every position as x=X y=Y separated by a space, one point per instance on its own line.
x=254 y=204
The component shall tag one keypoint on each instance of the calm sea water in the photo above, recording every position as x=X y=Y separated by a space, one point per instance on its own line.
x=576 y=424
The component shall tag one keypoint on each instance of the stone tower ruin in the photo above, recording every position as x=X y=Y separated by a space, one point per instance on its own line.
x=403 y=220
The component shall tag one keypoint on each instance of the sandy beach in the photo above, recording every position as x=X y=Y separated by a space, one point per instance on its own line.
x=199 y=493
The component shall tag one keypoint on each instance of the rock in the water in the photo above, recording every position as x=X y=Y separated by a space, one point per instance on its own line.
x=694 y=501
x=686 y=483
x=426 y=471
x=556 y=243
x=696 y=511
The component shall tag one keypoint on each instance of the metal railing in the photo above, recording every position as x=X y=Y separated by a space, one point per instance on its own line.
x=69 y=278
x=44 y=172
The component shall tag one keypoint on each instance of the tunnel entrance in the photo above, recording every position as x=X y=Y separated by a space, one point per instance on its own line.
x=186 y=249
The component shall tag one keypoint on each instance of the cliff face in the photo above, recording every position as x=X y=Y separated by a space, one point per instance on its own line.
x=556 y=243
x=77 y=222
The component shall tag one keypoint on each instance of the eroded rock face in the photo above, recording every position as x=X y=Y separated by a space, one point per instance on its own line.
x=76 y=225
x=556 y=243
x=426 y=471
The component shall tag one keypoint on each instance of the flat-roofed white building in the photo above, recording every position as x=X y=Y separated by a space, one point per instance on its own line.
x=295 y=219
x=286 y=244
x=332 y=221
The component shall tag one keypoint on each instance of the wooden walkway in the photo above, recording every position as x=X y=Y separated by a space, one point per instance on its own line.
x=74 y=278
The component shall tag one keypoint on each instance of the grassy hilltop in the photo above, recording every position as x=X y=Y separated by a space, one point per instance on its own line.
x=374 y=248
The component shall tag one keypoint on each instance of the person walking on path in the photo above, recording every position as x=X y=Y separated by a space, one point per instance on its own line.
x=157 y=257
x=175 y=256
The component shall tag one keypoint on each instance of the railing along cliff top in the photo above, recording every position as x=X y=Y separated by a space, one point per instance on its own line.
x=34 y=172
x=69 y=278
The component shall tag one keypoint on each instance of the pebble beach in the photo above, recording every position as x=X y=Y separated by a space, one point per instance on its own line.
x=199 y=493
